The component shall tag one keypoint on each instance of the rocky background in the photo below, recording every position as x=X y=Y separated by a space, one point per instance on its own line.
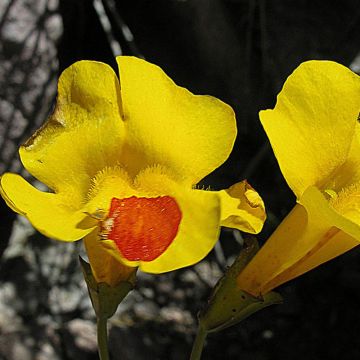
x=238 y=50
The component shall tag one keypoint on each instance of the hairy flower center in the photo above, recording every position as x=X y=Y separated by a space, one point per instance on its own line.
x=142 y=228
x=346 y=202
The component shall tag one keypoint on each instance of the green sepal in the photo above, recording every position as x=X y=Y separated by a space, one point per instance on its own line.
x=105 y=298
x=228 y=304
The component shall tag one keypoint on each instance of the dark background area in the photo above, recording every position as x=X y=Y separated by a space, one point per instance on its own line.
x=240 y=51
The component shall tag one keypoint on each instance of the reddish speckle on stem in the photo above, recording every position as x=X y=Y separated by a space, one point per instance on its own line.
x=142 y=228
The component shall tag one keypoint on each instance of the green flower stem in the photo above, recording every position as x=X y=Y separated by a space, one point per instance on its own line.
x=102 y=338
x=198 y=343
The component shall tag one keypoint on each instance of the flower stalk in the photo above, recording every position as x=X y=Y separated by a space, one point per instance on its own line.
x=198 y=343
x=102 y=338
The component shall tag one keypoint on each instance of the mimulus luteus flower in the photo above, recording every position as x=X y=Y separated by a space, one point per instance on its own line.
x=314 y=131
x=122 y=159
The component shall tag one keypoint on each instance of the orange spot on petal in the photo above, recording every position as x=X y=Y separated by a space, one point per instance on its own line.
x=142 y=228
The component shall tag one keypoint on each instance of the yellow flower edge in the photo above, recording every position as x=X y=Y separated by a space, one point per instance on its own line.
x=143 y=141
x=313 y=125
x=314 y=132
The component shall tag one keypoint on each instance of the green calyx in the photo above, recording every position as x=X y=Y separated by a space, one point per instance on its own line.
x=228 y=304
x=105 y=298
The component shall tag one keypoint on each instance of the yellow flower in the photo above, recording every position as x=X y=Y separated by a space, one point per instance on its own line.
x=122 y=161
x=314 y=131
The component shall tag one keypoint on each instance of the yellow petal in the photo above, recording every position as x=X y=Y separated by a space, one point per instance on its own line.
x=336 y=244
x=105 y=268
x=242 y=208
x=83 y=135
x=51 y=214
x=349 y=172
x=107 y=184
x=198 y=232
x=313 y=123
x=199 y=226
x=167 y=125
x=313 y=233
x=276 y=254
x=340 y=215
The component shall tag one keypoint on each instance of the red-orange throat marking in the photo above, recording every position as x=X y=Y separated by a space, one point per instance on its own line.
x=142 y=228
